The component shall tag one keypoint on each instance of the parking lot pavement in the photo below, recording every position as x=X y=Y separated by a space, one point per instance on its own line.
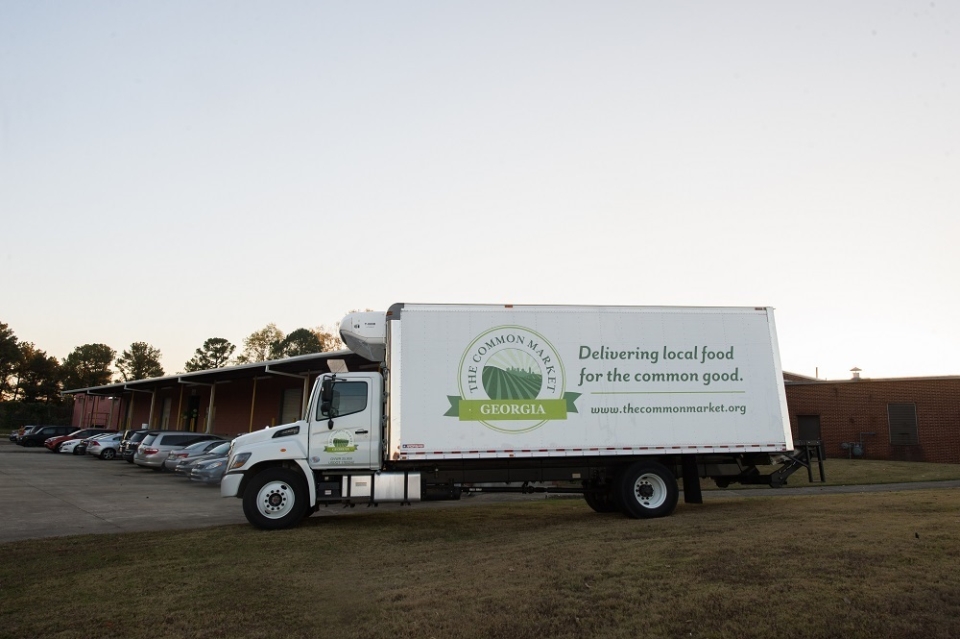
x=51 y=494
x=54 y=494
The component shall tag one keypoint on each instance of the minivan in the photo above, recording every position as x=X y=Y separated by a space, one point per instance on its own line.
x=157 y=445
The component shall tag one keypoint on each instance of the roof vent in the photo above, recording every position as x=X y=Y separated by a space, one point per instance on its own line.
x=855 y=372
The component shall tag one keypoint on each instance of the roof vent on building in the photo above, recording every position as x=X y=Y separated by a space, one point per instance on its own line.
x=856 y=372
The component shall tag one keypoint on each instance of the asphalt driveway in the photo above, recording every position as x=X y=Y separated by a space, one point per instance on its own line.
x=52 y=494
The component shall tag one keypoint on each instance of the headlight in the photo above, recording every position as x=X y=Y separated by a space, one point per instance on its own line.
x=216 y=464
x=239 y=461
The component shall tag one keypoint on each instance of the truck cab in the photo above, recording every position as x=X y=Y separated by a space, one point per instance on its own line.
x=344 y=422
x=334 y=454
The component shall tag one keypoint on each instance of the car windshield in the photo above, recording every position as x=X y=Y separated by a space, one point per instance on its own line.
x=222 y=448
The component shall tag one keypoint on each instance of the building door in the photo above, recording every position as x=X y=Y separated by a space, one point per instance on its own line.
x=292 y=407
x=165 y=413
x=808 y=428
x=193 y=413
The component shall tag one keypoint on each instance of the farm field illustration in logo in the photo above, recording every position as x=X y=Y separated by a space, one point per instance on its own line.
x=512 y=380
x=340 y=442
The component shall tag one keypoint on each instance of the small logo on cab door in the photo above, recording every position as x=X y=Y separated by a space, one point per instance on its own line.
x=340 y=442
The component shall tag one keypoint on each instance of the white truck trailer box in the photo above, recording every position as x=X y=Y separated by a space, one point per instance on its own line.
x=524 y=381
x=613 y=402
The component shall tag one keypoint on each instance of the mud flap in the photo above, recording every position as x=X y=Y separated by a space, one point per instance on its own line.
x=691 y=481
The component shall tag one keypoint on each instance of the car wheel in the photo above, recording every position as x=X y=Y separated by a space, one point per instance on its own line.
x=108 y=453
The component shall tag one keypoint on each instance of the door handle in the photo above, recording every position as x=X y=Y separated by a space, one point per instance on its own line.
x=361 y=432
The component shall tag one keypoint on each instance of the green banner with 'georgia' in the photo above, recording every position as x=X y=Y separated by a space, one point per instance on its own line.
x=511 y=409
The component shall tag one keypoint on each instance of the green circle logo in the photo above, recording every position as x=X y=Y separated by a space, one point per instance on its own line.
x=511 y=380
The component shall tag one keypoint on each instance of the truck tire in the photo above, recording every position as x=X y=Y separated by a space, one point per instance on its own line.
x=601 y=499
x=648 y=490
x=275 y=498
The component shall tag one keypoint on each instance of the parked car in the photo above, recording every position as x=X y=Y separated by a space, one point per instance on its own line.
x=177 y=458
x=155 y=446
x=71 y=446
x=209 y=471
x=39 y=435
x=24 y=430
x=130 y=443
x=13 y=435
x=221 y=450
x=53 y=443
x=104 y=447
x=81 y=447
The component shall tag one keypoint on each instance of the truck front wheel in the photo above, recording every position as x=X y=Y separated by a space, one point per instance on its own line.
x=647 y=490
x=275 y=498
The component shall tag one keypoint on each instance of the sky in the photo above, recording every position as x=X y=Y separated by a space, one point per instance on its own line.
x=174 y=171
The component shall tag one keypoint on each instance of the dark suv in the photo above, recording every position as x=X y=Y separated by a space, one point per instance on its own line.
x=131 y=440
x=37 y=436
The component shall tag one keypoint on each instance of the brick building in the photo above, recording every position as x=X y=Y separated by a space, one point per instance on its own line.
x=906 y=419
x=225 y=401
x=909 y=419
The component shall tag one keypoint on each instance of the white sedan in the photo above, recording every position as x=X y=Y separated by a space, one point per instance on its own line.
x=105 y=446
x=68 y=446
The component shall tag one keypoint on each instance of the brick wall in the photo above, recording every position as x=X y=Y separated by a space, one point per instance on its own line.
x=849 y=409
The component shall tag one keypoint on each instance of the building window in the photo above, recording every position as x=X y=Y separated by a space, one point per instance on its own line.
x=903 y=424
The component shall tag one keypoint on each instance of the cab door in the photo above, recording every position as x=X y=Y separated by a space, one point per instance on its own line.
x=344 y=431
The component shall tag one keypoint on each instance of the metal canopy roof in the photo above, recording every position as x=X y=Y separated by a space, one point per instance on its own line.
x=301 y=365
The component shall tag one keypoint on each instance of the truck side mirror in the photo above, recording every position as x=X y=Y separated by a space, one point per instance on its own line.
x=326 y=390
x=325 y=408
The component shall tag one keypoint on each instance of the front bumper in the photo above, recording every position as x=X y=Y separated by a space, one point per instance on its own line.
x=230 y=484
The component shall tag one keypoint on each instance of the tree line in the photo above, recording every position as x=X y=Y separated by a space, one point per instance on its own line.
x=29 y=375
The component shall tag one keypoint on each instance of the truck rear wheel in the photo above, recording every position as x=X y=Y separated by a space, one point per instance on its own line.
x=275 y=498
x=601 y=499
x=647 y=490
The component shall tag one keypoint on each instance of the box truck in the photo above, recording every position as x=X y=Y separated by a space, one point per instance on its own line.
x=617 y=403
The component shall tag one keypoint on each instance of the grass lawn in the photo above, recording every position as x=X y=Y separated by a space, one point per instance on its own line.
x=855 y=566
x=872 y=471
x=846 y=472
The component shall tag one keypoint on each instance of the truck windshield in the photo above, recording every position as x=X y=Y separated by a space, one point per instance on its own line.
x=348 y=398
